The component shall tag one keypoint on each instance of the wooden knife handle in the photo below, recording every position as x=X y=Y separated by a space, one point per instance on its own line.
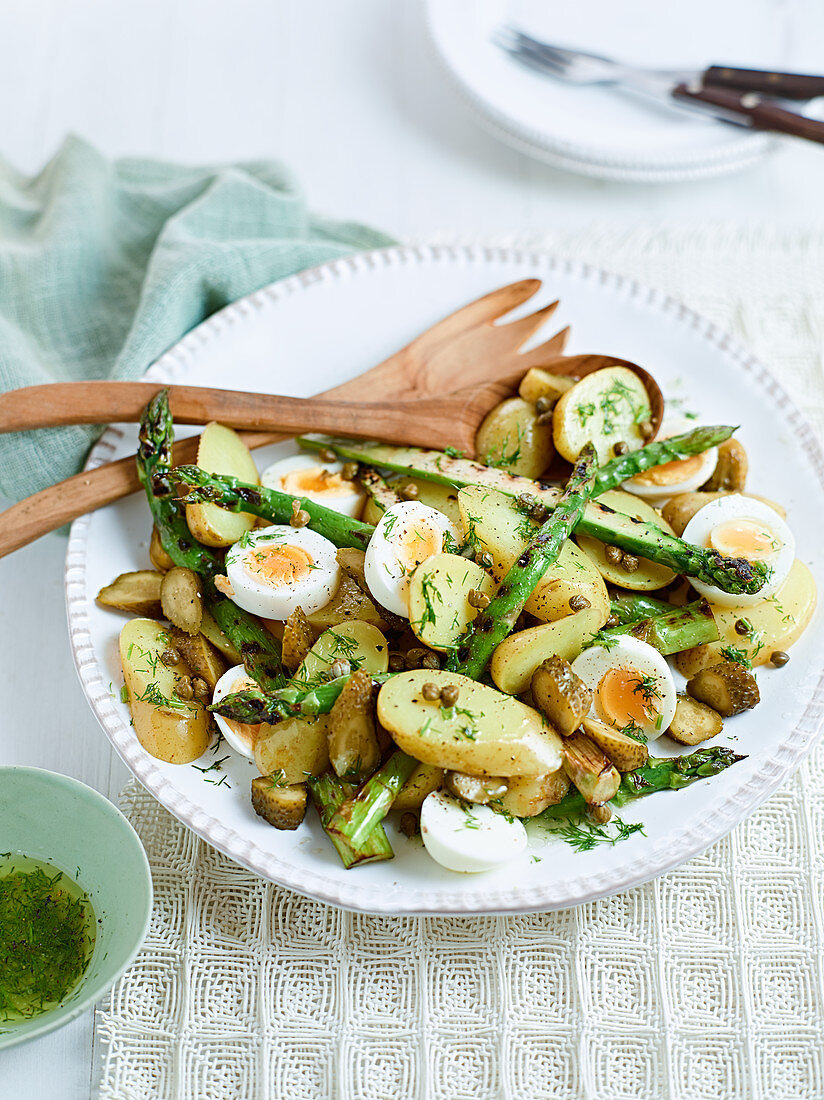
x=755 y=110
x=783 y=85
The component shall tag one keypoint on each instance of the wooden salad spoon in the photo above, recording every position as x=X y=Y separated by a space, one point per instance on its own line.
x=465 y=345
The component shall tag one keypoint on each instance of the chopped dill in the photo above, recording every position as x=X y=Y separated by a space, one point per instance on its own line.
x=585 y=834
x=739 y=656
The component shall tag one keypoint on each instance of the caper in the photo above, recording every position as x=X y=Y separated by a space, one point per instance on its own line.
x=409 y=824
x=629 y=563
x=647 y=429
x=742 y=627
x=600 y=814
x=300 y=517
x=349 y=471
x=430 y=660
x=578 y=603
x=414 y=657
x=200 y=690
x=779 y=658
x=340 y=667
x=543 y=405
x=410 y=491
x=396 y=662
x=613 y=554
x=477 y=599
x=484 y=560
x=525 y=500
x=170 y=655
x=184 y=688
x=430 y=692
x=620 y=448
x=544 y=418
x=612 y=621
x=539 y=512
x=449 y=695
x=327 y=455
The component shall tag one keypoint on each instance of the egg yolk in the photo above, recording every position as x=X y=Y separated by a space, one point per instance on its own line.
x=415 y=544
x=626 y=696
x=743 y=538
x=280 y=566
x=244 y=731
x=315 y=479
x=671 y=473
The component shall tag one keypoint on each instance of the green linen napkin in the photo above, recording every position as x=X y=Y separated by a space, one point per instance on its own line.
x=105 y=264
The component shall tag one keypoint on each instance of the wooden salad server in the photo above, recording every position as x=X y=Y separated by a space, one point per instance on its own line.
x=466 y=345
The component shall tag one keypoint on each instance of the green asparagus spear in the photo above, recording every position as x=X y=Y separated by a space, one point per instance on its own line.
x=256 y=645
x=292 y=701
x=329 y=793
x=474 y=650
x=645 y=540
x=357 y=817
x=658 y=774
x=695 y=442
x=631 y=609
x=676 y=629
x=238 y=496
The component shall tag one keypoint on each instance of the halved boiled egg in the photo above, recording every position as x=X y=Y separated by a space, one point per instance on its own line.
x=273 y=570
x=684 y=475
x=632 y=686
x=741 y=527
x=467 y=837
x=407 y=534
x=240 y=736
x=322 y=482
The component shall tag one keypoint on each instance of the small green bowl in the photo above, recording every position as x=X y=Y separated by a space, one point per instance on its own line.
x=53 y=818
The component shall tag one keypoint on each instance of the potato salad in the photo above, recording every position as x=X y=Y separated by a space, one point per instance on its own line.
x=434 y=648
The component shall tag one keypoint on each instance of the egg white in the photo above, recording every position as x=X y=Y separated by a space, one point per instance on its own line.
x=631 y=655
x=386 y=576
x=271 y=600
x=658 y=494
x=469 y=837
x=284 y=475
x=238 y=736
x=736 y=506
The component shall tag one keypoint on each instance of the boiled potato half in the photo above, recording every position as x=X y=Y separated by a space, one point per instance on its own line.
x=439 y=607
x=604 y=408
x=649 y=575
x=222 y=451
x=500 y=529
x=485 y=733
x=296 y=747
x=516 y=657
x=512 y=438
x=774 y=624
x=170 y=729
x=359 y=643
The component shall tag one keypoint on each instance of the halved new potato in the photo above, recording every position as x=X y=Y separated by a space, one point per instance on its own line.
x=648 y=575
x=512 y=438
x=222 y=451
x=296 y=747
x=604 y=408
x=497 y=526
x=516 y=657
x=484 y=733
x=358 y=642
x=438 y=596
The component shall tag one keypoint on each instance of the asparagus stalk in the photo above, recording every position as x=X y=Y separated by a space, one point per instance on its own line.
x=630 y=609
x=658 y=774
x=329 y=793
x=494 y=623
x=257 y=646
x=621 y=469
x=294 y=700
x=357 y=817
x=676 y=629
x=645 y=540
x=238 y=496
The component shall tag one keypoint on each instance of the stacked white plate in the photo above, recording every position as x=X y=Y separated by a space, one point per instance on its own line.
x=602 y=131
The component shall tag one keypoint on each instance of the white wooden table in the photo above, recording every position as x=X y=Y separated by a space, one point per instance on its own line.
x=350 y=96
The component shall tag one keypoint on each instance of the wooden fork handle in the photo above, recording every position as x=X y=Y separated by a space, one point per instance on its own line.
x=63 y=403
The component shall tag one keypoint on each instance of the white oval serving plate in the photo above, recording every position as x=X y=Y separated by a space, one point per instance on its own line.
x=303 y=334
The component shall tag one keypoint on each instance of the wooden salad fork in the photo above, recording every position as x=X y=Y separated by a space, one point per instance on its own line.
x=467 y=345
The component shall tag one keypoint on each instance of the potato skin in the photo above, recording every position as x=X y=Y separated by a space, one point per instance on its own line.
x=176 y=732
x=512 y=437
x=529 y=795
x=425 y=779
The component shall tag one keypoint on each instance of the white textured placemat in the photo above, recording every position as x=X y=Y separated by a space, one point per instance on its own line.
x=707 y=984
